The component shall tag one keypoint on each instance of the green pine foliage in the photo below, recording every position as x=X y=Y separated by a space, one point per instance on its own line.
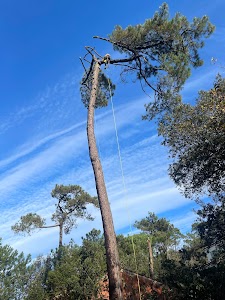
x=193 y=267
x=162 y=52
x=195 y=136
x=14 y=273
x=71 y=205
x=28 y=224
x=163 y=234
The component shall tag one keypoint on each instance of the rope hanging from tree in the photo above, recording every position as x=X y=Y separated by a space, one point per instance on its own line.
x=124 y=185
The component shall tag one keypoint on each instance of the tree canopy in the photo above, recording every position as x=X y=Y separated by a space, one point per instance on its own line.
x=211 y=224
x=193 y=270
x=195 y=135
x=161 y=231
x=72 y=204
x=160 y=53
x=14 y=273
x=163 y=44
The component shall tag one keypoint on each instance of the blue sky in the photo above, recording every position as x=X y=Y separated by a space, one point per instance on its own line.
x=43 y=122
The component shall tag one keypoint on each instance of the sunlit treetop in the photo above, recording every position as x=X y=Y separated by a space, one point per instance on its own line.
x=160 y=53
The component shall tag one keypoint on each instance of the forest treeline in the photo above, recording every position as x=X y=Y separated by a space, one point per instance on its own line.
x=191 y=266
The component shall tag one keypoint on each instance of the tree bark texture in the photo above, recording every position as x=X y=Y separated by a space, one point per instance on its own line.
x=60 y=234
x=151 y=264
x=112 y=256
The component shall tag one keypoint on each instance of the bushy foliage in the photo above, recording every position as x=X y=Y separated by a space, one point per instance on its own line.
x=130 y=245
x=14 y=273
x=162 y=52
x=163 y=234
x=28 y=223
x=69 y=272
x=194 y=271
x=195 y=135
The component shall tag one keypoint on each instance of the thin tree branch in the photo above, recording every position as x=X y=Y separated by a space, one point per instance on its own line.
x=89 y=51
x=144 y=89
x=149 y=45
x=93 y=50
x=87 y=61
x=60 y=207
x=154 y=67
x=85 y=55
x=119 y=44
x=114 y=43
x=83 y=65
x=124 y=60
x=89 y=72
x=143 y=76
x=50 y=226
x=127 y=66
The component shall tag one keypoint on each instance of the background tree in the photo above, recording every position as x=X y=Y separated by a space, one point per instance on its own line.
x=36 y=288
x=76 y=275
x=92 y=255
x=14 y=275
x=195 y=135
x=160 y=53
x=211 y=228
x=72 y=204
x=162 y=233
x=63 y=279
x=162 y=236
x=198 y=272
x=140 y=262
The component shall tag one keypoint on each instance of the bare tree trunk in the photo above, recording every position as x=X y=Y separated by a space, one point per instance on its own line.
x=151 y=264
x=60 y=234
x=112 y=256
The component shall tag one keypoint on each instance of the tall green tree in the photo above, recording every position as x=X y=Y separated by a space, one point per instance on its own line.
x=162 y=236
x=72 y=204
x=160 y=52
x=14 y=275
x=195 y=135
x=162 y=233
x=63 y=278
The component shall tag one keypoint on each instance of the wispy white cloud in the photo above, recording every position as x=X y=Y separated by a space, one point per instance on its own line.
x=61 y=156
x=27 y=148
x=62 y=147
x=46 y=103
x=41 y=163
x=183 y=222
